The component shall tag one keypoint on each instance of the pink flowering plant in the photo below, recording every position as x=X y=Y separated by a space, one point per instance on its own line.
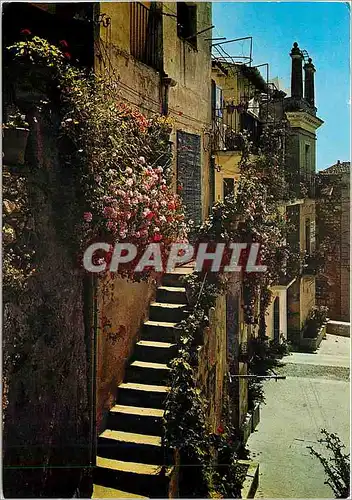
x=125 y=160
x=120 y=159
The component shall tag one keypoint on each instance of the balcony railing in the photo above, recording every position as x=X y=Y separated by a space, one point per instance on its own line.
x=311 y=264
x=302 y=186
x=146 y=34
x=229 y=137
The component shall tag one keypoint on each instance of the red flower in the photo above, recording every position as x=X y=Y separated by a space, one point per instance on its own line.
x=63 y=44
x=171 y=205
x=157 y=237
x=67 y=55
x=220 y=429
x=150 y=215
x=179 y=188
x=25 y=31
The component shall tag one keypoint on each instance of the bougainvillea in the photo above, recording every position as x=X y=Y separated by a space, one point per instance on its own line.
x=255 y=214
x=122 y=159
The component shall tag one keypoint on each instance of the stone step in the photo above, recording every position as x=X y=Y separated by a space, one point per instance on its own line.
x=100 y=491
x=160 y=331
x=131 y=447
x=171 y=294
x=154 y=351
x=147 y=372
x=175 y=277
x=136 y=419
x=146 y=480
x=144 y=395
x=162 y=311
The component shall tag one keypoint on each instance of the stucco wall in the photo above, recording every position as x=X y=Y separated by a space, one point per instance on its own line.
x=213 y=362
x=140 y=85
x=189 y=107
x=122 y=308
x=228 y=161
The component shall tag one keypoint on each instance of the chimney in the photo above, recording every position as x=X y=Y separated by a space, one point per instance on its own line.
x=309 y=71
x=297 y=74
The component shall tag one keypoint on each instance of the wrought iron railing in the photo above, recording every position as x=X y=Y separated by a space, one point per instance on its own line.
x=302 y=185
x=311 y=264
x=146 y=34
x=228 y=130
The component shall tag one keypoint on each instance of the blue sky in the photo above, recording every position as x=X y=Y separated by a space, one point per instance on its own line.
x=323 y=29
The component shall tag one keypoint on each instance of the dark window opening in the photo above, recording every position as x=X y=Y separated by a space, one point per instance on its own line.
x=308 y=236
x=229 y=187
x=187 y=22
x=146 y=34
x=307 y=159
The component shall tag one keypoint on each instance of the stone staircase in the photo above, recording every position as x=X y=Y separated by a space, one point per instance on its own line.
x=131 y=462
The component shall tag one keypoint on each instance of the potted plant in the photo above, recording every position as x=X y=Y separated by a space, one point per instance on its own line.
x=314 y=329
x=15 y=135
x=35 y=63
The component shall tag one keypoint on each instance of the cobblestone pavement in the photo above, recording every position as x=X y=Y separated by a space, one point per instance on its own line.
x=314 y=395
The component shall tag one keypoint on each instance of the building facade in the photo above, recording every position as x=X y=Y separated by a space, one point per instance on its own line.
x=333 y=227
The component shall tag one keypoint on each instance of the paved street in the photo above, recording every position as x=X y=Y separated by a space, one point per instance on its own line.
x=314 y=395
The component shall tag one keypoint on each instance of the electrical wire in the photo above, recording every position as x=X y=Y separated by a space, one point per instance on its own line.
x=141 y=96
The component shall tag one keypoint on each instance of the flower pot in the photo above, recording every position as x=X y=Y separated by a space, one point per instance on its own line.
x=14 y=145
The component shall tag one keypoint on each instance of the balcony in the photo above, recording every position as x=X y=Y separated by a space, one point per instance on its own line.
x=302 y=186
x=311 y=265
x=228 y=129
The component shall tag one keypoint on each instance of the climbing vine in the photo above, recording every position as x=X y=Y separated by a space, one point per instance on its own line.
x=256 y=214
x=209 y=466
x=120 y=158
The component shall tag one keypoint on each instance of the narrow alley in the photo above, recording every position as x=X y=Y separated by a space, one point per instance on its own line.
x=296 y=409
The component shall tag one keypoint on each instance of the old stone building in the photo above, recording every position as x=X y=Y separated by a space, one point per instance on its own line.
x=301 y=113
x=158 y=55
x=91 y=378
x=333 y=227
x=154 y=54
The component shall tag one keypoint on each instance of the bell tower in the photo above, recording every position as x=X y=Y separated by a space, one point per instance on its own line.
x=301 y=113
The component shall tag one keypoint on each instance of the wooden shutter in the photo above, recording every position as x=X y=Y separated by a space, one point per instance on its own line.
x=189 y=173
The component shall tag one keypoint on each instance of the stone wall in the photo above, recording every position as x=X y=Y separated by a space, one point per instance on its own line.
x=345 y=249
x=46 y=338
x=334 y=283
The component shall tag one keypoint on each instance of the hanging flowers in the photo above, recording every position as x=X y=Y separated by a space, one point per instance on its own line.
x=122 y=157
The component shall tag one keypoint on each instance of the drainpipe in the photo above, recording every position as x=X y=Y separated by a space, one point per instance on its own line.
x=309 y=71
x=90 y=319
x=296 y=74
x=166 y=83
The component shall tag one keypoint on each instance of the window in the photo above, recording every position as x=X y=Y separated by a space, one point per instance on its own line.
x=189 y=173
x=187 y=22
x=146 y=34
x=276 y=320
x=216 y=100
x=229 y=187
x=307 y=162
x=308 y=236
